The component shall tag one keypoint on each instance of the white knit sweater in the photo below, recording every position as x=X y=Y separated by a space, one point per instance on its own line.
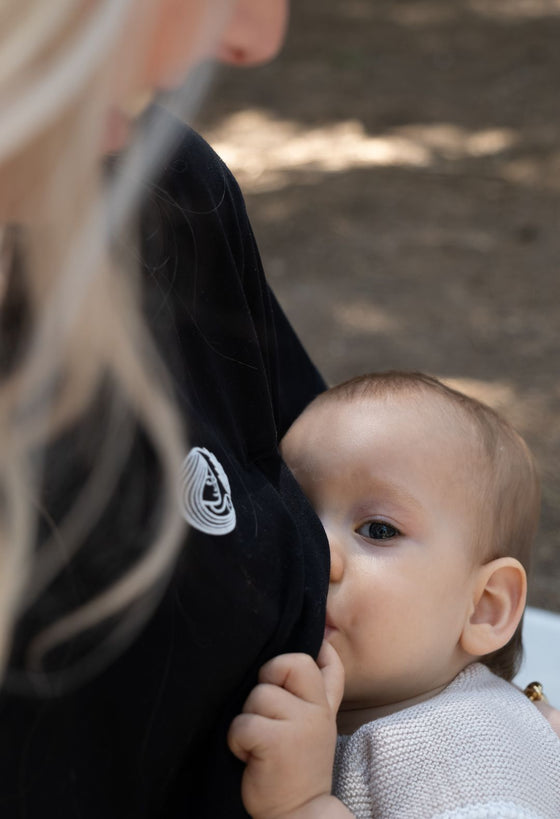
x=478 y=750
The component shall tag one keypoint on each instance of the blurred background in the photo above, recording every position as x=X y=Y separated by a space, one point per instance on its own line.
x=401 y=166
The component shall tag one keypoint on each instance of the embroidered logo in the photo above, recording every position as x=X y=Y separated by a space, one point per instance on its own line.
x=205 y=493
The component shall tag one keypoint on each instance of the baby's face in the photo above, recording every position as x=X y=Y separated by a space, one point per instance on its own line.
x=389 y=479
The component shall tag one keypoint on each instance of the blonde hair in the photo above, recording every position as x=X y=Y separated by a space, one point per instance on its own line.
x=506 y=482
x=83 y=326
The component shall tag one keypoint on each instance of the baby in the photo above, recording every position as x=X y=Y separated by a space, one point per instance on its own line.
x=430 y=502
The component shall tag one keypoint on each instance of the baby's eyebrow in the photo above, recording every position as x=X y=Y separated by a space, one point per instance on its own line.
x=393 y=493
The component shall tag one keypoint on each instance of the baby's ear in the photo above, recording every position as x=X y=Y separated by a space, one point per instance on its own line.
x=498 y=602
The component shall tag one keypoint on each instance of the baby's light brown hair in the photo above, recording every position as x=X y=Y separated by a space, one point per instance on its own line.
x=505 y=482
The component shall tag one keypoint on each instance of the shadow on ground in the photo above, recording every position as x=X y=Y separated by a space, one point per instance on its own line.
x=401 y=164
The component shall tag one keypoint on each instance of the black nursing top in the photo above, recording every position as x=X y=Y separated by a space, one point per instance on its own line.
x=147 y=736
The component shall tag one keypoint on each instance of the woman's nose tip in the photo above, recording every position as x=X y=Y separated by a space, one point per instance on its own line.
x=255 y=33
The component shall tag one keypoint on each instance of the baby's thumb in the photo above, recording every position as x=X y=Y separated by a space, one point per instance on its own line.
x=333 y=674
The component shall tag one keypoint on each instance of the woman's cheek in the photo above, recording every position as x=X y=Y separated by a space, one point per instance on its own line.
x=183 y=33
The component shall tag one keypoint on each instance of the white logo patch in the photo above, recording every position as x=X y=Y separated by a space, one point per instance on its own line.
x=205 y=493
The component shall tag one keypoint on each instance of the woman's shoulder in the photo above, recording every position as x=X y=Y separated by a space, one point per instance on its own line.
x=194 y=178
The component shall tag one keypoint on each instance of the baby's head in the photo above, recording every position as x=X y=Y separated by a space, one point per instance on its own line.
x=430 y=501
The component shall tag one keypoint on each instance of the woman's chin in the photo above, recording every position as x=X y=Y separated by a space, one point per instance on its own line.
x=121 y=118
x=117 y=131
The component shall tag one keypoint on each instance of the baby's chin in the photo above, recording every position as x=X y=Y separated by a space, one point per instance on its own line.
x=357 y=711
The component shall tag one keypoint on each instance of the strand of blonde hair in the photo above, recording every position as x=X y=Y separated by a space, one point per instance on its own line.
x=87 y=328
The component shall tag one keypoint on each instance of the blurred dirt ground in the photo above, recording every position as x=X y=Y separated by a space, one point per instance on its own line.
x=401 y=164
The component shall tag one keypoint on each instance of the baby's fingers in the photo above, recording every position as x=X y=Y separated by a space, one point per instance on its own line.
x=250 y=735
x=296 y=673
x=270 y=701
x=332 y=671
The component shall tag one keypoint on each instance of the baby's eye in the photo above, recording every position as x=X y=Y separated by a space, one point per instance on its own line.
x=378 y=530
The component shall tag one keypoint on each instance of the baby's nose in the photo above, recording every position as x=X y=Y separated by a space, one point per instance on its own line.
x=337 y=558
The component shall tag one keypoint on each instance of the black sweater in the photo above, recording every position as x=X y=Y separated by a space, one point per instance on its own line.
x=146 y=736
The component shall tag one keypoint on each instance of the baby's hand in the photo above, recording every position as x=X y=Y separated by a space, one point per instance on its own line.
x=286 y=735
